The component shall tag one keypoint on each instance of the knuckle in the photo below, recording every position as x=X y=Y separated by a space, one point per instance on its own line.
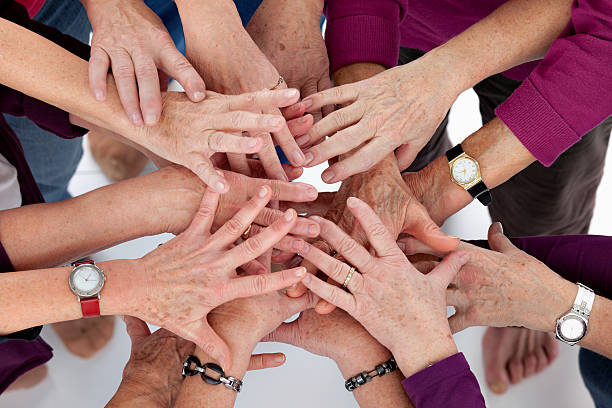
x=253 y=245
x=378 y=231
x=472 y=314
x=209 y=348
x=147 y=70
x=259 y=284
x=237 y=119
x=275 y=188
x=267 y=217
x=339 y=118
x=234 y=226
x=206 y=212
x=337 y=270
x=347 y=246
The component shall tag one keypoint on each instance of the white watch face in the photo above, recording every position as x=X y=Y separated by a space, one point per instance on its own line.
x=572 y=328
x=465 y=170
x=86 y=278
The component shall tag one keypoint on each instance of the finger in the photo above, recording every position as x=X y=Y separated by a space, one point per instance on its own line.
x=238 y=120
x=412 y=246
x=330 y=293
x=239 y=164
x=266 y=360
x=318 y=207
x=287 y=143
x=323 y=307
x=247 y=286
x=202 y=167
x=325 y=83
x=342 y=142
x=125 y=79
x=231 y=143
x=262 y=100
x=149 y=91
x=405 y=155
x=172 y=62
x=300 y=126
x=333 y=96
x=445 y=272
x=299 y=289
x=457 y=322
x=378 y=235
x=309 y=88
x=260 y=243
x=336 y=121
x=419 y=224
x=213 y=345
x=284 y=191
x=269 y=159
x=497 y=240
x=258 y=171
x=293 y=111
x=362 y=160
x=287 y=333
x=457 y=298
x=303 y=226
x=239 y=223
x=136 y=328
x=203 y=219
x=98 y=72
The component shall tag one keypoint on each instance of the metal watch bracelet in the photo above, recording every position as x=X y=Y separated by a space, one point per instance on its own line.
x=367 y=376
x=192 y=366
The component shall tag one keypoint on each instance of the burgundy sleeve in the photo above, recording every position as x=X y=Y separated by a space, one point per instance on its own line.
x=568 y=93
x=363 y=31
x=15 y=103
x=448 y=383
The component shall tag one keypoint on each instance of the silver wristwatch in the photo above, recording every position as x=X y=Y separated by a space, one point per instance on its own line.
x=572 y=327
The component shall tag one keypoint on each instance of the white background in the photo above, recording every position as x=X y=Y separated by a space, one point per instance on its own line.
x=305 y=380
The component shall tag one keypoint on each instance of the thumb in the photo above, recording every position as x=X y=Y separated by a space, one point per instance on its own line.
x=214 y=346
x=287 y=333
x=419 y=224
x=457 y=322
x=405 y=155
x=447 y=269
x=497 y=240
x=266 y=360
x=136 y=328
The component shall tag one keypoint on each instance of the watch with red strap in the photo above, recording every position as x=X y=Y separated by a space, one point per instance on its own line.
x=86 y=281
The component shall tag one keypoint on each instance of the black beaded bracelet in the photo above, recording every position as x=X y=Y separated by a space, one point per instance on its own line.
x=192 y=366
x=367 y=376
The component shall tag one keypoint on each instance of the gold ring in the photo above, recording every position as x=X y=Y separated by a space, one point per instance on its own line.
x=280 y=81
x=348 y=277
x=245 y=234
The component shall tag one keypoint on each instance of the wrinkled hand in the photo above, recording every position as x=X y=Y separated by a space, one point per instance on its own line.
x=129 y=37
x=190 y=133
x=401 y=106
x=296 y=46
x=402 y=308
x=503 y=287
x=177 y=284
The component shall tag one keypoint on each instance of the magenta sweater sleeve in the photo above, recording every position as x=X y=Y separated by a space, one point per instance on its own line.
x=363 y=31
x=568 y=93
x=448 y=383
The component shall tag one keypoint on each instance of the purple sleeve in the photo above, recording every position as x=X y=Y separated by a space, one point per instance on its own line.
x=363 y=31
x=568 y=93
x=448 y=383
x=577 y=258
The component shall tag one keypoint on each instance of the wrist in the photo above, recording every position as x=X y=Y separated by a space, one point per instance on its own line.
x=358 y=359
x=557 y=305
x=421 y=351
x=119 y=294
x=453 y=68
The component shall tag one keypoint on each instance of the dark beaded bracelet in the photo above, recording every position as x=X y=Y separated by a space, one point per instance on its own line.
x=192 y=366
x=367 y=376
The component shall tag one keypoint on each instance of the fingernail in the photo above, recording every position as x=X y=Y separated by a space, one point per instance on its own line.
x=307 y=103
x=498 y=227
x=327 y=176
x=252 y=142
x=351 y=202
x=262 y=192
x=306 y=279
x=295 y=262
x=279 y=359
x=150 y=119
x=302 y=140
x=219 y=186
x=288 y=215
x=499 y=387
x=299 y=272
x=276 y=122
x=312 y=230
x=297 y=245
x=402 y=246
x=290 y=93
x=136 y=119
x=308 y=157
x=198 y=95
x=298 y=157
x=99 y=96
x=312 y=193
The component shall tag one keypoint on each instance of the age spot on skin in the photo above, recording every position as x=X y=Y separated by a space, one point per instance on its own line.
x=281 y=46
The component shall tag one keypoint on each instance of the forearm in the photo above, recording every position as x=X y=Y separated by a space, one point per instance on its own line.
x=50 y=234
x=52 y=74
x=220 y=48
x=516 y=32
x=36 y=297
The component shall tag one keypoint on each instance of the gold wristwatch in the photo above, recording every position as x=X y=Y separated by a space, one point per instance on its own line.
x=465 y=172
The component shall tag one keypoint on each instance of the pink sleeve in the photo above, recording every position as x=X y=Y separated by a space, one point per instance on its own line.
x=363 y=31
x=569 y=92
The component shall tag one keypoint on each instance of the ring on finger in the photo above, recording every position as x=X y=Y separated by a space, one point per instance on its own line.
x=349 y=276
x=245 y=234
x=330 y=250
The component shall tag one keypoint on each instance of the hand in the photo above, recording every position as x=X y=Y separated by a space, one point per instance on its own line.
x=213 y=125
x=503 y=287
x=402 y=308
x=131 y=38
x=175 y=194
x=401 y=106
x=296 y=46
x=177 y=284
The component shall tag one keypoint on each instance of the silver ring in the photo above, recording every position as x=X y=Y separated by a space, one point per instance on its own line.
x=348 y=277
x=281 y=81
